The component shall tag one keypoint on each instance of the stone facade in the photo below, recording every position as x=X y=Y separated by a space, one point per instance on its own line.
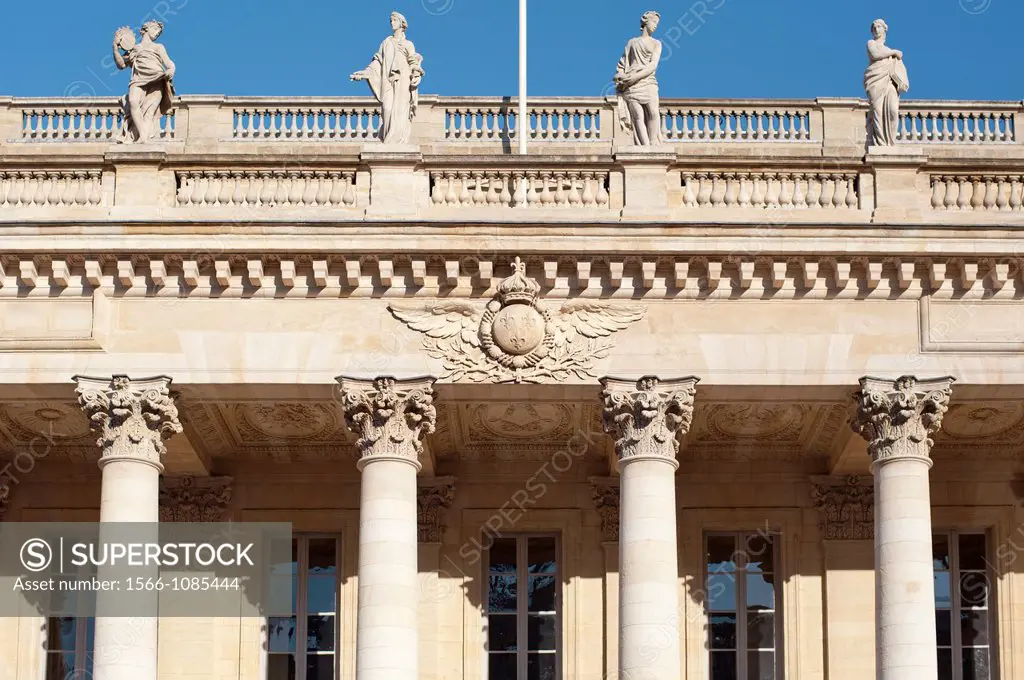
x=253 y=258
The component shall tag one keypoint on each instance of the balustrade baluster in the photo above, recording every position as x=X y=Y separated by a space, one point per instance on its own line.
x=746 y=190
x=786 y=191
x=532 y=198
x=1016 y=192
x=799 y=190
x=350 y=189
x=575 y=199
x=336 y=196
x=991 y=192
x=938 y=193
x=589 y=197
x=505 y=197
x=689 y=191
x=732 y=189
x=839 y=197
x=1002 y=193
x=479 y=197
x=952 y=193
x=706 y=187
x=520 y=197
x=814 y=190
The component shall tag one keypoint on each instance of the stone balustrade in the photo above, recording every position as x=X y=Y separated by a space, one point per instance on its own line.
x=266 y=188
x=520 y=188
x=42 y=188
x=490 y=119
x=325 y=122
x=73 y=120
x=978 y=193
x=722 y=159
x=782 y=190
x=957 y=123
x=726 y=124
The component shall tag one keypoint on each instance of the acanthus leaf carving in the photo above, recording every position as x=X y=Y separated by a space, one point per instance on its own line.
x=194 y=499
x=898 y=417
x=389 y=416
x=513 y=338
x=433 y=497
x=847 y=508
x=132 y=417
x=646 y=417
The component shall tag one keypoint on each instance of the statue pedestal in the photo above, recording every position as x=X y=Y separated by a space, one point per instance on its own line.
x=645 y=180
x=138 y=171
x=395 y=181
x=901 y=190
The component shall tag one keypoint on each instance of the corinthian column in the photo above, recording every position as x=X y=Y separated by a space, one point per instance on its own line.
x=390 y=417
x=645 y=418
x=897 y=418
x=132 y=418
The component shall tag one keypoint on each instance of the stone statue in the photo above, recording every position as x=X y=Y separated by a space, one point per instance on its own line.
x=637 y=86
x=394 y=76
x=885 y=80
x=151 y=90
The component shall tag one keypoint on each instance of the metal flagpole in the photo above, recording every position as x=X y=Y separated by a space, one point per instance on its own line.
x=522 y=119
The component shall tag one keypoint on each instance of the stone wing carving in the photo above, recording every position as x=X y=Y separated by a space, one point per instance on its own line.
x=473 y=343
x=452 y=331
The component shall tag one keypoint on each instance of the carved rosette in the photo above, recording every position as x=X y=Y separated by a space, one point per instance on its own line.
x=194 y=499
x=389 y=416
x=605 y=493
x=898 y=417
x=645 y=417
x=433 y=497
x=847 y=507
x=132 y=417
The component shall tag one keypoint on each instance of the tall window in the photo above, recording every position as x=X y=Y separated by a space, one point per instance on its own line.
x=69 y=647
x=304 y=646
x=742 y=607
x=523 y=609
x=963 y=614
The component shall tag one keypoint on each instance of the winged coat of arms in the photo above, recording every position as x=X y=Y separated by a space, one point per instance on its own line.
x=513 y=338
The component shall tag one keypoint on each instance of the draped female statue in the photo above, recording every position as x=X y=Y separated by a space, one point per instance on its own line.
x=637 y=86
x=394 y=76
x=885 y=80
x=151 y=90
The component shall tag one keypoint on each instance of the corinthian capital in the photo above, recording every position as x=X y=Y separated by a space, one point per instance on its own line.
x=434 y=495
x=898 y=417
x=646 y=416
x=194 y=499
x=132 y=417
x=389 y=416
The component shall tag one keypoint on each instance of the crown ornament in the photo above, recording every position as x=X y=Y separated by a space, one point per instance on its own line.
x=518 y=288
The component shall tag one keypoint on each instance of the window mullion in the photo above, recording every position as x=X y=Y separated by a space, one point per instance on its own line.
x=300 y=609
x=741 y=607
x=337 y=608
x=956 y=639
x=522 y=633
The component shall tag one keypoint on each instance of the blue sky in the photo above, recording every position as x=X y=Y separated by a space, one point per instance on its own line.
x=955 y=49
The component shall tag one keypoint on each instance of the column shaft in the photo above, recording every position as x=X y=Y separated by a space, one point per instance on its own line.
x=386 y=635
x=649 y=572
x=904 y=580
